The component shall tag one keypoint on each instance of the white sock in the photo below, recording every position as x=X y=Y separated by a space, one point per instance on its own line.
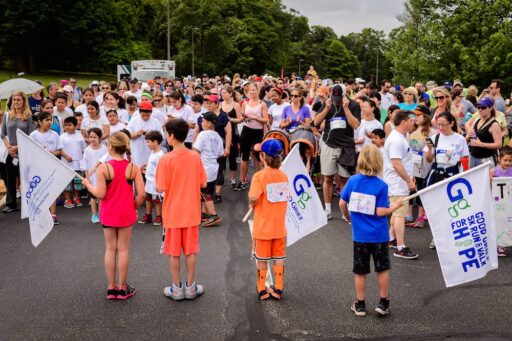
x=391 y=238
x=400 y=247
x=328 y=206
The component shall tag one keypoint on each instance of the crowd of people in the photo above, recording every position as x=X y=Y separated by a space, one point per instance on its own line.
x=177 y=135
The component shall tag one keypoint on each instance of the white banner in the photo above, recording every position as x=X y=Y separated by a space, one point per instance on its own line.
x=43 y=178
x=305 y=212
x=460 y=216
x=502 y=204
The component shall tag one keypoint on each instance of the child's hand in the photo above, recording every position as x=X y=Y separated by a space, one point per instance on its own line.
x=399 y=203
x=68 y=158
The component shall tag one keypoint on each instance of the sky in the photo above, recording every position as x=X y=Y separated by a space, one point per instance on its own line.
x=346 y=16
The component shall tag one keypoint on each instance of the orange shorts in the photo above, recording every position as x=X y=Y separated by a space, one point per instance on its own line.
x=186 y=238
x=269 y=249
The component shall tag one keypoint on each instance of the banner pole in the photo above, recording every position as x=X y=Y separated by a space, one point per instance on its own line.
x=247 y=215
x=418 y=193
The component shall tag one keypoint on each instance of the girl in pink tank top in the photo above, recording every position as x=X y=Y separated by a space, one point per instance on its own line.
x=115 y=183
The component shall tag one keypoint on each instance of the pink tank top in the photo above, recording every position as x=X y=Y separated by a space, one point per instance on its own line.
x=117 y=208
x=253 y=111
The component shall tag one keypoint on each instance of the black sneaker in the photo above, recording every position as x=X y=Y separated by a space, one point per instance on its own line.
x=392 y=244
x=233 y=183
x=213 y=220
x=383 y=307
x=126 y=293
x=8 y=209
x=358 y=307
x=218 y=198
x=405 y=253
x=55 y=220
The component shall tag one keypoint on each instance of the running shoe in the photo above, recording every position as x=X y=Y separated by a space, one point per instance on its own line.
x=95 y=218
x=146 y=219
x=233 y=183
x=193 y=291
x=358 y=307
x=174 y=292
x=405 y=253
x=55 y=219
x=68 y=204
x=213 y=220
x=328 y=214
x=204 y=217
x=432 y=244
x=18 y=194
x=501 y=252
x=77 y=202
x=157 y=221
x=126 y=293
x=263 y=295
x=383 y=307
x=8 y=209
x=112 y=293
x=420 y=222
x=409 y=221
x=218 y=198
x=275 y=293
x=392 y=244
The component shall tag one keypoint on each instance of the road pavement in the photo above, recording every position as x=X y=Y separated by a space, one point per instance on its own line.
x=57 y=290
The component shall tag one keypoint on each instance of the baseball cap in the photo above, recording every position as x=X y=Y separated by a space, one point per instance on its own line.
x=486 y=102
x=145 y=106
x=210 y=116
x=212 y=98
x=147 y=95
x=421 y=110
x=95 y=83
x=338 y=91
x=133 y=80
x=322 y=90
x=271 y=147
x=457 y=82
x=68 y=88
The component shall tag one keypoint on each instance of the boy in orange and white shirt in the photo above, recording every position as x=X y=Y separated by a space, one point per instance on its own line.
x=268 y=196
x=183 y=184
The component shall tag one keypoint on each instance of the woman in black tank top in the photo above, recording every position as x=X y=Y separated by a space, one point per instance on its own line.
x=485 y=136
x=232 y=109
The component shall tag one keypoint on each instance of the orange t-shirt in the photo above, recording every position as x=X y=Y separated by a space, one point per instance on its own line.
x=269 y=218
x=181 y=175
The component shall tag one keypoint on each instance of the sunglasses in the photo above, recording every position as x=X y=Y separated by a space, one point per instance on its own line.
x=438 y=98
x=104 y=88
x=157 y=100
x=482 y=107
x=73 y=82
x=295 y=96
x=407 y=93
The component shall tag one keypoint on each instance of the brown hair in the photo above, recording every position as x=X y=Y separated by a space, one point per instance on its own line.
x=119 y=142
x=273 y=162
x=370 y=161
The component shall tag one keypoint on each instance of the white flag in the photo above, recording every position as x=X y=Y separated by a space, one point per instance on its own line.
x=305 y=212
x=461 y=219
x=502 y=204
x=43 y=178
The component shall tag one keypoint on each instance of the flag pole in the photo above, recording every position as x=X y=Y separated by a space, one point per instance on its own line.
x=247 y=215
x=460 y=175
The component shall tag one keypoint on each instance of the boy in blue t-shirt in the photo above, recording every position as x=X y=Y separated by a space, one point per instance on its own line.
x=365 y=196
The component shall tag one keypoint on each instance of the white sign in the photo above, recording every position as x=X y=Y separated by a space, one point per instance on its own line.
x=305 y=212
x=43 y=178
x=502 y=204
x=461 y=218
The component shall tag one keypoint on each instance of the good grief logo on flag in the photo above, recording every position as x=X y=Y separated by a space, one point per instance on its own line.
x=460 y=217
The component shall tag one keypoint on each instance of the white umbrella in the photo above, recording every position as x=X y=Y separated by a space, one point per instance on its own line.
x=7 y=88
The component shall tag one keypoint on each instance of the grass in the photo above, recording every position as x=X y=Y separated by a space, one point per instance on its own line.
x=83 y=79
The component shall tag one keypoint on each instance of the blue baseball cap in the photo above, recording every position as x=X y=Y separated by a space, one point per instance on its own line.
x=486 y=102
x=271 y=147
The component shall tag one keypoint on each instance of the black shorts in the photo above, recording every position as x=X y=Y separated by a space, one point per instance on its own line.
x=362 y=253
x=154 y=198
x=248 y=139
x=208 y=191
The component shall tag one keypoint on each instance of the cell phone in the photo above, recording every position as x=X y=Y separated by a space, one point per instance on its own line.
x=429 y=140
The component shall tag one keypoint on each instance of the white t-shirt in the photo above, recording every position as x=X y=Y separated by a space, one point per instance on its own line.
x=74 y=146
x=386 y=100
x=118 y=127
x=83 y=109
x=187 y=113
x=89 y=123
x=450 y=149
x=159 y=114
x=397 y=147
x=151 y=172
x=276 y=111
x=137 y=94
x=50 y=140
x=90 y=158
x=67 y=112
x=122 y=114
x=366 y=128
x=99 y=98
x=209 y=143
x=140 y=151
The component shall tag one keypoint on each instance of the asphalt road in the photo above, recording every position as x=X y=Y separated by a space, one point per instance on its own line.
x=57 y=291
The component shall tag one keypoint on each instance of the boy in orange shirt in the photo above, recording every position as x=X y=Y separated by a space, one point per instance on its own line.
x=183 y=184
x=268 y=196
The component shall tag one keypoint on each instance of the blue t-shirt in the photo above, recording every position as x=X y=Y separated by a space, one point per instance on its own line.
x=303 y=113
x=405 y=106
x=368 y=228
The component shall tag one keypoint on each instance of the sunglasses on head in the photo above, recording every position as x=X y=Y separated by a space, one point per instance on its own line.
x=438 y=98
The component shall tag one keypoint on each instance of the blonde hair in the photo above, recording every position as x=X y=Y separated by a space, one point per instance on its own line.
x=370 y=161
x=26 y=113
x=445 y=93
x=119 y=142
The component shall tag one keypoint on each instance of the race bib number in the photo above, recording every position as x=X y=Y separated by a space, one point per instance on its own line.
x=443 y=156
x=362 y=203
x=417 y=159
x=278 y=192
x=338 y=123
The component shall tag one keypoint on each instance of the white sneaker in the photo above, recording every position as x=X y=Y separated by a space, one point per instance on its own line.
x=193 y=291
x=174 y=292
x=432 y=244
x=328 y=214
